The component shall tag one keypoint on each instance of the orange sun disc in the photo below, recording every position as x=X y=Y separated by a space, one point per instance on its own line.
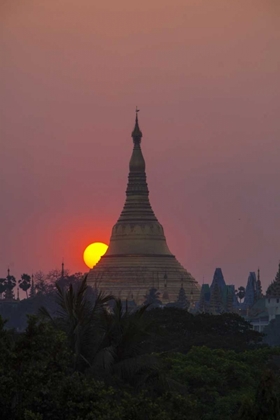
x=94 y=252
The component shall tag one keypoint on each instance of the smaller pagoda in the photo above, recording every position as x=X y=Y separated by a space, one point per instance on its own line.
x=272 y=298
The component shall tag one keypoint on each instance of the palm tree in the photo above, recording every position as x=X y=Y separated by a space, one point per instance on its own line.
x=122 y=349
x=78 y=318
x=152 y=298
x=108 y=344
x=125 y=329
x=240 y=293
x=25 y=283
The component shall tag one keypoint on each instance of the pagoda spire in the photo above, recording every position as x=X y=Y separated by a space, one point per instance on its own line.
x=258 y=286
x=273 y=289
x=136 y=133
x=137 y=161
x=137 y=205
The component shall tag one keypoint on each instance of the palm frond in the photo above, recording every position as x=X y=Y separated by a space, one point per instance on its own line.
x=44 y=313
x=104 y=359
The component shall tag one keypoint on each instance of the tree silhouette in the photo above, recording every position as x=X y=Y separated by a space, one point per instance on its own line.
x=152 y=297
x=10 y=283
x=25 y=283
x=240 y=293
x=78 y=317
x=32 y=288
x=40 y=282
x=122 y=347
x=2 y=286
x=182 y=301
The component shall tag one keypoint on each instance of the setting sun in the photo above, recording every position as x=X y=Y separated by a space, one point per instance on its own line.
x=94 y=252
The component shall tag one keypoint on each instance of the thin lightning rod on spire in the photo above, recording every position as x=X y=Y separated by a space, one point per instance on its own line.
x=136 y=133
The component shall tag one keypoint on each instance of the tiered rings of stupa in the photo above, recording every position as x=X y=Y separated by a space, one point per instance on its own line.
x=138 y=257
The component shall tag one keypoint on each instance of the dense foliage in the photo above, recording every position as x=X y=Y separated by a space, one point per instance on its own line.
x=163 y=364
x=177 y=330
x=220 y=382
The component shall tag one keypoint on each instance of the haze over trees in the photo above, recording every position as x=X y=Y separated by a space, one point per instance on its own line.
x=40 y=290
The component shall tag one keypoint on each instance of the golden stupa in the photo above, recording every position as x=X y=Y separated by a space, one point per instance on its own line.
x=138 y=257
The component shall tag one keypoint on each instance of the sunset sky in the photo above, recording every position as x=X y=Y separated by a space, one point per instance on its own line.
x=206 y=77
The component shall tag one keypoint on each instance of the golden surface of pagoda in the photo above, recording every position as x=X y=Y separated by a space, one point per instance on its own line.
x=138 y=257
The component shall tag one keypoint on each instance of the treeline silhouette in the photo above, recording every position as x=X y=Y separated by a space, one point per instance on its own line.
x=90 y=357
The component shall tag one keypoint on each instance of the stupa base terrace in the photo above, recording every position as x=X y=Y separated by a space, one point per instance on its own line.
x=131 y=276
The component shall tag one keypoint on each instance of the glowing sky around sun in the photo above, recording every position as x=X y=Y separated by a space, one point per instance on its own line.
x=206 y=77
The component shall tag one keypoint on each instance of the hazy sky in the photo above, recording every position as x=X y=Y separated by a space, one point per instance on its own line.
x=206 y=77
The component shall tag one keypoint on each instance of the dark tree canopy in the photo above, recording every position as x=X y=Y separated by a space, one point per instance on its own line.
x=83 y=361
x=180 y=330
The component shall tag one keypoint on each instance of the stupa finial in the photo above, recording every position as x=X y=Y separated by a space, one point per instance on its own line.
x=136 y=133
